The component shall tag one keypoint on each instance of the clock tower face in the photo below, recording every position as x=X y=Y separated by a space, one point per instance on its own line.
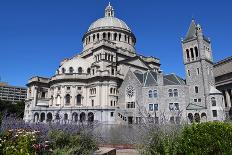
x=130 y=91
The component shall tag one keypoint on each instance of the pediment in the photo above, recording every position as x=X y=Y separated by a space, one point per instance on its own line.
x=136 y=62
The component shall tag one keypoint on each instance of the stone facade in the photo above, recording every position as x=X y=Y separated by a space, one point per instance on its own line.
x=110 y=83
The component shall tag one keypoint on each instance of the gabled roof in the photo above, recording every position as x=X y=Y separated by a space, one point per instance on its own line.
x=193 y=106
x=148 y=78
x=191 y=31
x=213 y=91
x=131 y=61
x=173 y=79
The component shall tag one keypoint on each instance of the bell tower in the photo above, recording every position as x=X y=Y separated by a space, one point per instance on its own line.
x=198 y=63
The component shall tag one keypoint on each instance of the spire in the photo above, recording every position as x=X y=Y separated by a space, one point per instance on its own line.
x=191 y=31
x=109 y=11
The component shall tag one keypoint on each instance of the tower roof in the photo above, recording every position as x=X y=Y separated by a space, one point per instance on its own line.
x=109 y=21
x=191 y=31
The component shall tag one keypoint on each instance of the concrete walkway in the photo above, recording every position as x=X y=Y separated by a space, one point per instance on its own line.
x=127 y=152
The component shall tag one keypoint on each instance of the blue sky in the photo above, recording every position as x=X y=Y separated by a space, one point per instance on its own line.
x=35 y=35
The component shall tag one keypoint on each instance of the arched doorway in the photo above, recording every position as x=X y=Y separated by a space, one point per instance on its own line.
x=90 y=117
x=42 y=117
x=36 y=117
x=49 y=117
x=197 y=117
x=74 y=117
x=79 y=99
x=82 y=117
x=190 y=117
x=203 y=117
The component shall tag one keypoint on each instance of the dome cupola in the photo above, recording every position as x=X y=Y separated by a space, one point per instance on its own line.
x=109 y=28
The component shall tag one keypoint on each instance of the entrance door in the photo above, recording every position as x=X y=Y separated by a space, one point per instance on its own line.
x=130 y=120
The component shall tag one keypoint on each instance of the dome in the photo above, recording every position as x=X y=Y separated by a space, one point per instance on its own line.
x=109 y=21
x=75 y=64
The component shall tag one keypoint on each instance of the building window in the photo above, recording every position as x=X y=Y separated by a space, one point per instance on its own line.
x=92 y=103
x=67 y=99
x=170 y=93
x=188 y=72
x=175 y=92
x=78 y=99
x=155 y=93
x=196 y=51
x=111 y=103
x=79 y=70
x=213 y=101
x=214 y=113
x=198 y=71
x=88 y=71
x=79 y=88
x=70 y=70
x=151 y=107
x=172 y=119
x=173 y=106
x=150 y=93
x=195 y=100
x=58 y=88
x=63 y=70
x=199 y=100
x=130 y=105
x=112 y=71
x=68 y=88
x=196 y=89
x=112 y=114
x=155 y=107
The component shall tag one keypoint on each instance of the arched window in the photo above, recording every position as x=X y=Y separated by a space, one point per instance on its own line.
x=51 y=100
x=65 y=116
x=75 y=117
x=93 y=37
x=49 y=117
x=203 y=115
x=67 y=99
x=78 y=99
x=58 y=100
x=170 y=93
x=187 y=54
x=115 y=36
x=36 y=117
x=82 y=117
x=70 y=70
x=150 y=93
x=79 y=70
x=197 y=117
x=98 y=36
x=119 y=37
x=175 y=92
x=112 y=57
x=192 y=53
x=90 y=117
x=112 y=71
x=93 y=71
x=213 y=101
x=155 y=94
x=104 y=35
x=63 y=70
x=111 y=90
x=42 y=117
x=196 y=51
x=196 y=89
x=88 y=71
x=109 y=36
x=111 y=103
x=190 y=117
x=125 y=38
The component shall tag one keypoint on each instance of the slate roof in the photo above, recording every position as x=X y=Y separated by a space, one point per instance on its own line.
x=191 y=31
x=149 y=78
x=172 y=79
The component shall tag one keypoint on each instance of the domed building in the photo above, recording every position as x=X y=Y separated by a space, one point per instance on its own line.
x=110 y=83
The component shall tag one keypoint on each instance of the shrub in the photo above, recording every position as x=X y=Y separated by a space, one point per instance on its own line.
x=206 y=138
x=72 y=143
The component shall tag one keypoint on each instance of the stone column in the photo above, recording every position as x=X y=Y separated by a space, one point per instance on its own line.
x=228 y=98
